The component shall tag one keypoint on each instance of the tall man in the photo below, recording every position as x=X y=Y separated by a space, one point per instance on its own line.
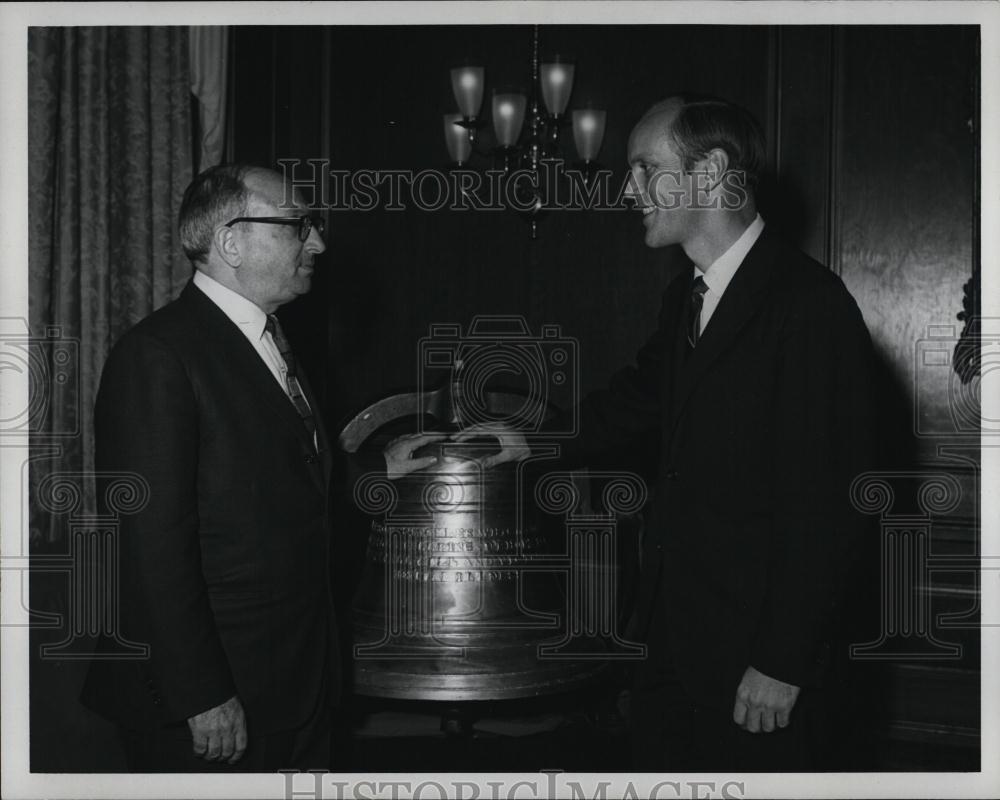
x=225 y=573
x=756 y=383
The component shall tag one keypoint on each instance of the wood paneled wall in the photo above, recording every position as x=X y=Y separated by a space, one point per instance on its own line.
x=873 y=136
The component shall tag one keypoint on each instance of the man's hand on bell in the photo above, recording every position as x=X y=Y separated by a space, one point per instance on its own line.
x=513 y=445
x=398 y=454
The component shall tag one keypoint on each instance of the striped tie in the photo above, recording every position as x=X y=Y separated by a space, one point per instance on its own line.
x=294 y=388
x=698 y=290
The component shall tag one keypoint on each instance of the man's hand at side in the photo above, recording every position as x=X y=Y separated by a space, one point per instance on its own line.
x=763 y=702
x=220 y=734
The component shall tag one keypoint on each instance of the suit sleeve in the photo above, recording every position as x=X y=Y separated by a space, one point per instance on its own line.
x=147 y=423
x=627 y=411
x=824 y=432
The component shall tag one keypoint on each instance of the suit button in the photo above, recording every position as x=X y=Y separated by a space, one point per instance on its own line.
x=671 y=475
x=309 y=458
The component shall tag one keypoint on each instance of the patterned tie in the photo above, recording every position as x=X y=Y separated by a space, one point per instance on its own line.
x=698 y=289
x=294 y=388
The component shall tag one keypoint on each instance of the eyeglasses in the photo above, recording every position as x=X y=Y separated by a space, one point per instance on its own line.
x=305 y=223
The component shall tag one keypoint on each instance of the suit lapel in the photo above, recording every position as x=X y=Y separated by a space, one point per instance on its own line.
x=742 y=299
x=674 y=311
x=245 y=359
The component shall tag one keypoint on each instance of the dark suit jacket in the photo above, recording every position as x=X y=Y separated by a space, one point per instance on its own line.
x=762 y=429
x=225 y=573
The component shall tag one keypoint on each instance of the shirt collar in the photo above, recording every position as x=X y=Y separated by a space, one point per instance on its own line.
x=720 y=272
x=245 y=313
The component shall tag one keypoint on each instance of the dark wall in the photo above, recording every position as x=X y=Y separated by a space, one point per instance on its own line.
x=872 y=152
x=872 y=135
x=903 y=235
x=394 y=273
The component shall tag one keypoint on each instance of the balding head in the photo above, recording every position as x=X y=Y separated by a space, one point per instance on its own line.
x=694 y=163
x=697 y=124
x=220 y=194
x=269 y=189
x=666 y=109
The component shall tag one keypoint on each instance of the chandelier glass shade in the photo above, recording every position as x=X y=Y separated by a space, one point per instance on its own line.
x=526 y=126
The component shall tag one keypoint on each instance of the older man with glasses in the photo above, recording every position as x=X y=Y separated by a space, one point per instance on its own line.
x=225 y=572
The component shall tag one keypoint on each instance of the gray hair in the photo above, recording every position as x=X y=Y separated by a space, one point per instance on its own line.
x=214 y=197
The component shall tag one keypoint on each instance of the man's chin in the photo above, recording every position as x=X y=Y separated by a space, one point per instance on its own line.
x=655 y=241
x=661 y=236
x=302 y=285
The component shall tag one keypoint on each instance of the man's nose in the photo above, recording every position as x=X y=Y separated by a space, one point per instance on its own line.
x=635 y=193
x=315 y=243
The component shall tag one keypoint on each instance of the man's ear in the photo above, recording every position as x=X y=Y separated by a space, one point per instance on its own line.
x=716 y=164
x=227 y=247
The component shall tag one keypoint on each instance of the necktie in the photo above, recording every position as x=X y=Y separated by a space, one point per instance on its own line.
x=273 y=327
x=698 y=289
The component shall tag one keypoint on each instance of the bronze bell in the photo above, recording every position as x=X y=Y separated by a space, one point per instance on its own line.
x=463 y=594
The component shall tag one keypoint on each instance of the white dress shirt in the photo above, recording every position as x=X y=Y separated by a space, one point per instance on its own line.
x=250 y=319
x=720 y=272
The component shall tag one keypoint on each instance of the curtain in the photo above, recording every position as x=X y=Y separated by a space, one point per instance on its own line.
x=110 y=154
x=209 y=57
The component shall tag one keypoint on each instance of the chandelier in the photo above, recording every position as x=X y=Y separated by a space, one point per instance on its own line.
x=527 y=128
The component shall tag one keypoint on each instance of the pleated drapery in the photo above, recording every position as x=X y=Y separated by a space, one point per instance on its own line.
x=110 y=154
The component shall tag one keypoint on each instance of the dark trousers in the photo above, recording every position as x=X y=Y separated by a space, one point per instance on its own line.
x=170 y=749
x=671 y=732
